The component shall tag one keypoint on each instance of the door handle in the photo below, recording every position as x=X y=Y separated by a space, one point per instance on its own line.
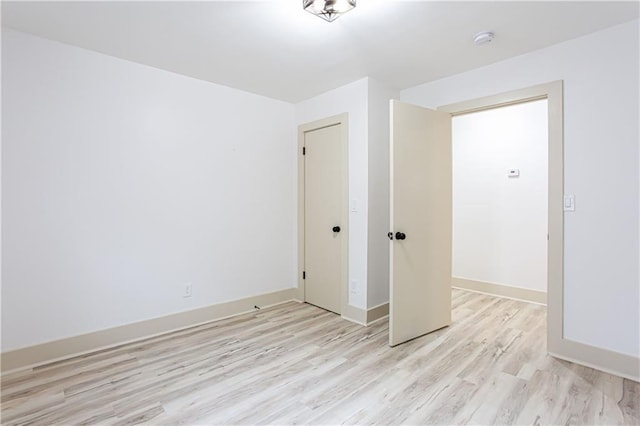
x=336 y=229
x=400 y=236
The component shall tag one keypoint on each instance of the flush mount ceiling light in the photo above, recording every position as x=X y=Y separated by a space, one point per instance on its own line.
x=483 y=37
x=328 y=9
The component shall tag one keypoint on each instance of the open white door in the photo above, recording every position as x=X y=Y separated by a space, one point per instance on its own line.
x=420 y=275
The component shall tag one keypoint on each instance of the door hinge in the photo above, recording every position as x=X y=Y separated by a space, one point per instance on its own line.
x=304 y=150
x=304 y=275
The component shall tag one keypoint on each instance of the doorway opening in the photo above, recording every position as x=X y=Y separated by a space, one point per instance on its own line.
x=421 y=175
x=552 y=93
x=499 y=230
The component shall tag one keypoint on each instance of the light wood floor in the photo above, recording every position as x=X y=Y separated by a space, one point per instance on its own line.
x=298 y=364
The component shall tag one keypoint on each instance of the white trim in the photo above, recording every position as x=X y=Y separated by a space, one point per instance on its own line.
x=557 y=344
x=618 y=364
x=553 y=92
x=57 y=350
x=500 y=290
x=378 y=312
x=366 y=317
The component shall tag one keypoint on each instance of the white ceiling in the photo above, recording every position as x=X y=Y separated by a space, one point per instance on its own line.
x=274 y=48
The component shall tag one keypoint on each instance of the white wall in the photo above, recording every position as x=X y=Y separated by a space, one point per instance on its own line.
x=121 y=182
x=367 y=102
x=351 y=98
x=601 y=144
x=378 y=243
x=500 y=222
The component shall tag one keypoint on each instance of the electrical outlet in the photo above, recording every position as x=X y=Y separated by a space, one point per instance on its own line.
x=188 y=290
x=353 y=288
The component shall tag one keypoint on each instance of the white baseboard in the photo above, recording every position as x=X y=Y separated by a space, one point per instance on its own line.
x=368 y=316
x=56 y=350
x=622 y=365
x=377 y=313
x=611 y=362
x=354 y=314
x=517 y=293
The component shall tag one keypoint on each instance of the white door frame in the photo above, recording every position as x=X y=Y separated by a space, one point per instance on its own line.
x=343 y=121
x=557 y=344
x=553 y=93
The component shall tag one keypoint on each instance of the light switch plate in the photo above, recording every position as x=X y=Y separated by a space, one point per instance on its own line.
x=569 y=203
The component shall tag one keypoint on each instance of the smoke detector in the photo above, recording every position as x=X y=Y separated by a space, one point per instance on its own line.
x=483 y=37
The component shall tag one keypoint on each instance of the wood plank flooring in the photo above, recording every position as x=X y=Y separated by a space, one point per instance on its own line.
x=298 y=364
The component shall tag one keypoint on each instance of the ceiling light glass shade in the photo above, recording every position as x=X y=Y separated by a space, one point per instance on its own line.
x=328 y=9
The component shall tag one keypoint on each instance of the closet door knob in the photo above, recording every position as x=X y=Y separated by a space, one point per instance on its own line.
x=400 y=236
x=336 y=229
